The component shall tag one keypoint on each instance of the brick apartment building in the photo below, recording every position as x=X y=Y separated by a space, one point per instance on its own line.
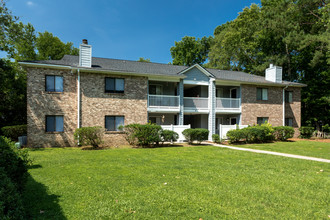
x=80 y=91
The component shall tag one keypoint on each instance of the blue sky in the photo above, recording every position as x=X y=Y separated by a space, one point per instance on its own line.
x=127 y=29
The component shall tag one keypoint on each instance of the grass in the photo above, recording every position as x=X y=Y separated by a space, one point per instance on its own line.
x=303 y=147
x=174 y=183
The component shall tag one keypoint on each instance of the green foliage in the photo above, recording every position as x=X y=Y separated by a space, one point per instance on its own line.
x=146 y=135
x=12 y=94
x=10 y=200
x=326 y=128
x=13 y=132
x=14 y=161
x=252 y=134
x=89 y=136
x=216 y=138
x=141 y=59
x=306 y=132
x=292 y=34
x=51 y=47
x=190 y=50
x=195 y=134
x=168 y=136
x=283 y=133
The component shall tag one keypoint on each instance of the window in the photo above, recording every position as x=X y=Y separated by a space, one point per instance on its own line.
x=156 y=89
x=262 y=94
x=113 y=122
x=114 y=85
x=54 y=123
x=288 y=96
x=54 y=83
x=155 y=120
x=262 y=120
x=288 y=122
x=233 y=121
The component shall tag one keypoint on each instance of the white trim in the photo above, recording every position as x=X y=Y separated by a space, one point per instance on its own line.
x=78 y=99
x=161 y=109
x=193 y=82
x=207 y=73
x=45 y=65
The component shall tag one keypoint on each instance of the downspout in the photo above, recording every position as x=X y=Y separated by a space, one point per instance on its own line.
x=78 y=100
x=284 y=104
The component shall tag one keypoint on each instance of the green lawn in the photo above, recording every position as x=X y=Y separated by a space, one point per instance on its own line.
x=303 y=147
x=174 y=183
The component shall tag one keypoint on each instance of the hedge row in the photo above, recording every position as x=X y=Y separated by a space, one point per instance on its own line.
x=147 y=135
x=195 y=134
x=13 y=171
x=13 y=132
x=306 y=132
x=260 y=133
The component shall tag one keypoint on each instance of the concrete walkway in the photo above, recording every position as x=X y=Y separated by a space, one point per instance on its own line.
x=272 y=153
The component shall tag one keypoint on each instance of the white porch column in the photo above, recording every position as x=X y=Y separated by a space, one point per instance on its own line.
x=181 y=94
x=212 y=99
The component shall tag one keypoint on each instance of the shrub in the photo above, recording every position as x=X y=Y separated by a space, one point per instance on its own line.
x=235 y=136
x=168 y=136
x=13 y=132
x=195 y=134
x=216 y=138
x=306 y=132
x=143 y=135
x=10 y=199
x=282 y=133
x=14 y=161
x=89 y=136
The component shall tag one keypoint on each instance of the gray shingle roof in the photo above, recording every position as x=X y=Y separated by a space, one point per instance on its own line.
x=127 y=66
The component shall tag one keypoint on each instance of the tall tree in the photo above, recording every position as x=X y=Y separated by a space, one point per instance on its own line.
x=293 y=34
x=51 y=47
x=141 y=59
x=190 y=50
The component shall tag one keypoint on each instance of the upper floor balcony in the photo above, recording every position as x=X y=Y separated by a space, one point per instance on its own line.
x=169 y=103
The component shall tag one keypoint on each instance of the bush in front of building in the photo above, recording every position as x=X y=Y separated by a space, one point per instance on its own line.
x=13 y=132
x=168 y=136
x=283 y=133
x=89 y=136
x=216 y=138
x=143 y=135
x=13 y=174
x=306 y=132
x=195 y=134
x=253 y=134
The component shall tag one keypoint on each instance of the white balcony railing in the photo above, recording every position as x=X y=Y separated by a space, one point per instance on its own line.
x=196 y=102
x=228 y=103
x=163 y=101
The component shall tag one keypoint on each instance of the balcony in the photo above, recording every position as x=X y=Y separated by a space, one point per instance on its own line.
x=163 y=103
x=196 y=104
x=228 y=105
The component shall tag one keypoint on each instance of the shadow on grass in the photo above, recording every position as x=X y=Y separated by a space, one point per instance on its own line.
x=38 y=203
x=35 y=166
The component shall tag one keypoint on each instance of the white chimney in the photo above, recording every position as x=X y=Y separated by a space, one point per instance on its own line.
x=85 y=54
x=274 y=74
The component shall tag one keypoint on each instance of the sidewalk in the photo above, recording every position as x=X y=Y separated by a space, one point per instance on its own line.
x=272 y=153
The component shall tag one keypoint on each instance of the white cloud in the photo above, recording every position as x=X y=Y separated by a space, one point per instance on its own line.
x=29 y=3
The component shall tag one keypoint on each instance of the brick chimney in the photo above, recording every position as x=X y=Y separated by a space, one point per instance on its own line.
x=85 y=54
x=274 y=74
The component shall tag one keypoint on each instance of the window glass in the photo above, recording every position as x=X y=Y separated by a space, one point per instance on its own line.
x=59 y=124
x=120 y=85
x=59 y=84
x=288 y=96
x=119 y=121
x=262 y=120
x=288 y=122
x=50 y=123
x=109 y=84
x=264 y=94
x=50 y=84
